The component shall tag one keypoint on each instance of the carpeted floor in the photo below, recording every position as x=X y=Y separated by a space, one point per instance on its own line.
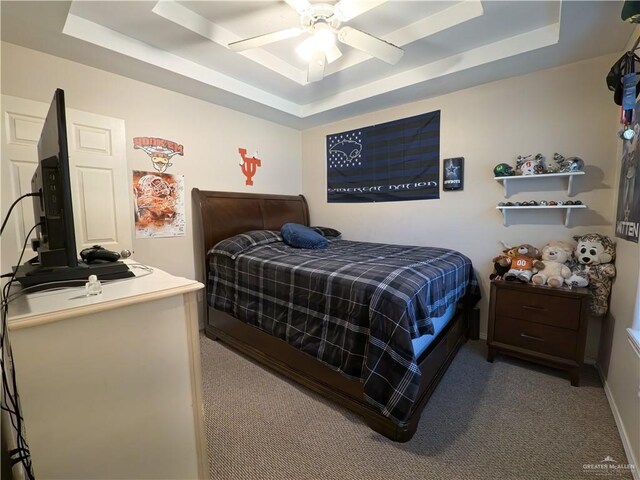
x=506 y=420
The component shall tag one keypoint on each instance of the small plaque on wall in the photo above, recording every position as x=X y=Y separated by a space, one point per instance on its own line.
x=453 y=173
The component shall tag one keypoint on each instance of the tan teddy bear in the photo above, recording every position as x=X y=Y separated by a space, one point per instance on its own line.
x=522 y=260
x=554 y=256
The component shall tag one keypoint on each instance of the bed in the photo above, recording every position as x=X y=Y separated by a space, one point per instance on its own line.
x=384 y=374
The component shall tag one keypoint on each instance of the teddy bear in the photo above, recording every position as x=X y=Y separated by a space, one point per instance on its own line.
x=501 y=264
x=555 y=255
x=595 y=254
x=522 y=260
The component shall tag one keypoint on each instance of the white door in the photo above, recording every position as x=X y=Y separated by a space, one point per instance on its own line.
x=99 y=180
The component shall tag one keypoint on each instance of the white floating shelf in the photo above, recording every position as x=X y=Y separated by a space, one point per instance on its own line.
x=515 y=178
x=568 y=209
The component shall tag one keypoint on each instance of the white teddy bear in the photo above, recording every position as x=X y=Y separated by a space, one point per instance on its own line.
x=555 y=254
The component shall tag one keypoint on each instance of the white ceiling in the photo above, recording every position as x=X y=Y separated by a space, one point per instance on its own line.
x=449 y=45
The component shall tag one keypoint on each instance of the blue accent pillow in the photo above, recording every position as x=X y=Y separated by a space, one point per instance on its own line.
x=299 y=236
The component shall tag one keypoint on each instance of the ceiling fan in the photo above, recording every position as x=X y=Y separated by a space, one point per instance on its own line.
x=324 y=22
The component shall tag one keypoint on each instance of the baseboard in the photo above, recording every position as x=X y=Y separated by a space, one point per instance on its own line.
x=621 y=430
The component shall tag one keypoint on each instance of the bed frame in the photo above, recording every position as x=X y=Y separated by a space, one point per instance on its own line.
x=224 y=214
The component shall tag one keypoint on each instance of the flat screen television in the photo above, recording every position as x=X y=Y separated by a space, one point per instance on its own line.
x=57 y=259
x=56 y=242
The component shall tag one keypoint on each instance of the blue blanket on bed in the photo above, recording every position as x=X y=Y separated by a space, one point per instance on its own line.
x=354 y=306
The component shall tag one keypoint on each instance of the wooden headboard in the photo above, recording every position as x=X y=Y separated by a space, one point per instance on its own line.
x=224 y=214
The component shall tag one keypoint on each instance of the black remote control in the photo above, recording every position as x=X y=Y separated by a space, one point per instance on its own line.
x=97 y=253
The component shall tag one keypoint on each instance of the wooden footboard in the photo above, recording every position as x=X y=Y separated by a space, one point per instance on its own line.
x=304 y=369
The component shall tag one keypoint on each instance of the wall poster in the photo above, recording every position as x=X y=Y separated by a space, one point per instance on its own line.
x=159 y=204
x=453 y=173
x=398 y=160
x=628 y=211
x=159 y=150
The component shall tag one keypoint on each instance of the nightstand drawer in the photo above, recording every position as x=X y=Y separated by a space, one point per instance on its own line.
x=536 y=337
x=539 y=307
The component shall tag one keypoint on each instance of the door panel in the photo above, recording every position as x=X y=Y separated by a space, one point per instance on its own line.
x=100 y=181
x=96 y=210
x=22 y=172
x=21 y=127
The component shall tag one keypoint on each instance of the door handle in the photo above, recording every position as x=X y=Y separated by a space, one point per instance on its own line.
x=534 y=307
x=531 y=337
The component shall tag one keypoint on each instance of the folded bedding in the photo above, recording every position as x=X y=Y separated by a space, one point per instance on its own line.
x=355 y=306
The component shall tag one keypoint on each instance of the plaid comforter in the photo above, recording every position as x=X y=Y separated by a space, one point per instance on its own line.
x=354 y=306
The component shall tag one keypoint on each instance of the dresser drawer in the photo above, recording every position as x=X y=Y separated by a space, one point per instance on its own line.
x=542 y=308
x=536 y=337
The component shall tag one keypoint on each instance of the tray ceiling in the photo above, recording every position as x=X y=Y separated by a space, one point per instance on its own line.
x=449 y=45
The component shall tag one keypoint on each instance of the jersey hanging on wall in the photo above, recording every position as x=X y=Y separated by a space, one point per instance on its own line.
x=392 y=161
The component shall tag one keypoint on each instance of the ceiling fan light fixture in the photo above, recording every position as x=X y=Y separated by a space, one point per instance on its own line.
x=323 y=22
x=324 y=36
x=322 y=40
x=307 y=49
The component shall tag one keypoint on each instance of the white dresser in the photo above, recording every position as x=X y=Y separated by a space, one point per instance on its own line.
x=110 y=385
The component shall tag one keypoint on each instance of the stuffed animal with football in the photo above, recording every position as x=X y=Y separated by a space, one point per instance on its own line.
x=523 y=258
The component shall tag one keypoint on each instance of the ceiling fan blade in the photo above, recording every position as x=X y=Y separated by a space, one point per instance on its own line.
x=333 y=54
x=300 y=6
x=374 y=46
x=348 y=9
x=316 y=67
x=265 y=39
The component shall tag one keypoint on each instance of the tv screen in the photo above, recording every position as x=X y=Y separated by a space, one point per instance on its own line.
x=56 y=245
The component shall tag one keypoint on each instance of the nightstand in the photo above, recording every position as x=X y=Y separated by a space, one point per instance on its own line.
x=541 y=324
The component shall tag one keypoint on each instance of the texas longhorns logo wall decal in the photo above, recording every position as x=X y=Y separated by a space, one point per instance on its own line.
x=249 y=165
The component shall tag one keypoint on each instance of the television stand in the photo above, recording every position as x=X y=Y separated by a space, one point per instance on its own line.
x=110 y=384
x=30 y=275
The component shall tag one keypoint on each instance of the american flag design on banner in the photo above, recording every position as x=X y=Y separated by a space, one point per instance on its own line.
x=393 y=161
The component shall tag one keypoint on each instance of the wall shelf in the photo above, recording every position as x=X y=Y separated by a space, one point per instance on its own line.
x=516 y=178
x=567 y=208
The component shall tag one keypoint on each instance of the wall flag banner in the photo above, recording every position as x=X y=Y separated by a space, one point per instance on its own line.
x=393 y=161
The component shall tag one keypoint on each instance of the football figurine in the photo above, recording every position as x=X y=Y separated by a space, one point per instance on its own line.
x=503 y=170
x=575 y=164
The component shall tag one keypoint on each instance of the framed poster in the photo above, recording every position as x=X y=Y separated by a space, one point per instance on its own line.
x=159 y=204
x=453 y=173
x=628 y=211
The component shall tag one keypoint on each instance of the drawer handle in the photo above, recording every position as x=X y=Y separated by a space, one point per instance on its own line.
x=534 y=307
x=531 y=337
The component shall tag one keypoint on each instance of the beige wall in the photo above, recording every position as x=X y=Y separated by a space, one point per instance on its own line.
x=210 y=134
x=566 y=109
